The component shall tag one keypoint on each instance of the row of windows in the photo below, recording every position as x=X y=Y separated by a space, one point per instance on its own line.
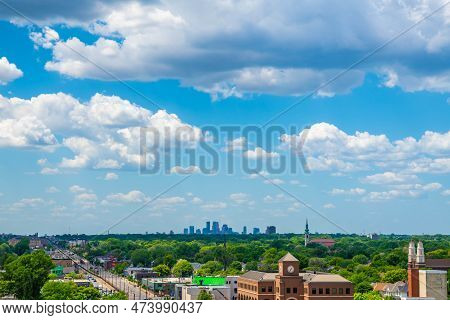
x=288 y=290
x=269 y=289
x=264 y=289
x=314 y=291
x=247 y=286
x=329 y=291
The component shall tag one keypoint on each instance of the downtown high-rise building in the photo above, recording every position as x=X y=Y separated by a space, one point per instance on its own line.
x=207 y=228
x=191 y=230
x=225 y=229
x=244 y=230
x=256 y=231
x=271 y=230
x=215 y=227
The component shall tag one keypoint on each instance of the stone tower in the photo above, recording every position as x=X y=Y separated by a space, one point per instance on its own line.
x=420 y=257
x=306 y=233
x=413 y=268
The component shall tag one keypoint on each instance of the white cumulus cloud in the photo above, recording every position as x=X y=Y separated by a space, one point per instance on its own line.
x=8 y=71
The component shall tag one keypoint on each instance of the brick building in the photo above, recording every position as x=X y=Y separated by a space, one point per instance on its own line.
x=291 y=284
x=429 y=283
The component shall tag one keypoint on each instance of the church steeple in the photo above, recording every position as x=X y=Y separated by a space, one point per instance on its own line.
x=306 y=233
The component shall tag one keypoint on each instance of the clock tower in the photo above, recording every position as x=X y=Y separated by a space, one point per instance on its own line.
x=288 y=282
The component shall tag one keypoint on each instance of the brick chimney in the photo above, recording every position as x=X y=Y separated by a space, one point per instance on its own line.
x=413 y=270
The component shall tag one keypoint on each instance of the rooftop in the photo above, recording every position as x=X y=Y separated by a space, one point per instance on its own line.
x=433 y=271
x=288 y=257
x=307 y=277
x=259 y=276
x=437 y=263
x=324 y=278
x=379 y=286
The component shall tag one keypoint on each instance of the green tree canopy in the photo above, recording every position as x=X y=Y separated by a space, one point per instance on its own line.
x=373 y=295
x=23 y=246
x=28 y=273
x=205 y=295
x=317 y=264
x=58 y=290
x=360 y=259
x=251 y=265
x=395 y=275
x=235 y=265
x=87 y=293
x=162 y=270
x=120 y=295
x=120 y=268
x=363 y=287
x=439 y=254
x=140 y=257
x=182 y=268
x=210 y=268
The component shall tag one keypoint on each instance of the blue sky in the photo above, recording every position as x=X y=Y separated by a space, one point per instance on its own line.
x=378 y=148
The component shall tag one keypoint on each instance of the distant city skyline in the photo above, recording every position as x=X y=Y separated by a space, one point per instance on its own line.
x=225 y=229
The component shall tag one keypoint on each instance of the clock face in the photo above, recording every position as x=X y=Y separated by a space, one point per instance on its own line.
x=290 y=269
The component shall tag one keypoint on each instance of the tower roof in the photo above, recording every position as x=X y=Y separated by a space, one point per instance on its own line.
x=288 y=257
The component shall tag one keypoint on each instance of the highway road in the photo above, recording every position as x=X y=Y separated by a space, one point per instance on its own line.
x=112 y=281
x=133 y=291
x=109 y=281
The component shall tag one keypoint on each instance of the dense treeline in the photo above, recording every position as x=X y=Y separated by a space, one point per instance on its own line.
x=359 y=259
x=25 y=274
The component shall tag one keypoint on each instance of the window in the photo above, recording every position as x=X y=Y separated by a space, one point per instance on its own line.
x=320 y=291
x=327 y=290
x=314 y=291
x=347 y=290
x=288 y=290
x=278 y=289
x=235 y=290
x=294 y=290
x=270 y=289
x=263 y=289
x=333 y=290
x=341 y=291
x=235 y=281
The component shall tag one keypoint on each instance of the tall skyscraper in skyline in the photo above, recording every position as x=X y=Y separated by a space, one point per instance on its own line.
x=271 y=230
x=225 y=229
x=215 y=227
